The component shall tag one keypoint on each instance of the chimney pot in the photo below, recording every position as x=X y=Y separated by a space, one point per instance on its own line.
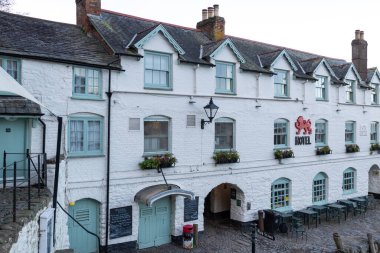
x=216 y=10
x=204 y=14
x=357 y=34
x=210 y=12
x=362 y=35
x=359 y=54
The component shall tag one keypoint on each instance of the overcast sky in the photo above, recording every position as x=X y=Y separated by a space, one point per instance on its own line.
x=325 y=27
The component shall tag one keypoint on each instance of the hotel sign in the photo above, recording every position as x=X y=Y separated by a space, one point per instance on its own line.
x=304 y=126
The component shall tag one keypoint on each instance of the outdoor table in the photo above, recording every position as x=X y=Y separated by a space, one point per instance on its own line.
x=307 y=213
x=360 y=201
x=320 y=210
x=348 y=203
x=339 y=208
x=285 y=217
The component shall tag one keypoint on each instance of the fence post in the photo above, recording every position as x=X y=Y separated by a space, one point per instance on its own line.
x=38 y=174
x=45 y=170
x=5 y=170
x=14 y=190
x=254 y=238
x=29 y=194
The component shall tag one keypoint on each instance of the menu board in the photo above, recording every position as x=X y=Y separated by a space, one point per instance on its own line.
x=191 y=209
x=120 y=222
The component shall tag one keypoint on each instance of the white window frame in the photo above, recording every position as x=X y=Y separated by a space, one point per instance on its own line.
x=347 y=132
x=286 y=134
x=231 y=79
x=374 y=132
x=323 y=87
x=374 y=93
x=228 y=121
x=160 y=70
x=320 y=189
x=284 y=93
x=158 y=119
x=350 y=90
x=318 y=122
x=349 y=181
x=281 y=194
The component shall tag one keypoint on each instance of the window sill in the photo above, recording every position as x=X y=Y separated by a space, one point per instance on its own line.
x=87 y=98
x=350 y=102
x=155 y=154
x=282 y=97
x=320 y=203
x=225 y=93
x=225 y=150
x=85 y=156
x=158 y=88
x=321 y=145
x=349 y=192
x=322 y=100
x=281 y=148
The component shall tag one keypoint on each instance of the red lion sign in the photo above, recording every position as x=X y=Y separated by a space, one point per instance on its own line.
x=302 y=124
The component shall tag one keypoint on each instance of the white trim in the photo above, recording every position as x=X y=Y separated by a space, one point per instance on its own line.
x=352 y=66
x=233 y=48
x=327 y=65
x=287 y=57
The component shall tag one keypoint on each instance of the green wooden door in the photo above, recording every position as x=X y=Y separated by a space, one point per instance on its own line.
x=86 y=212
x=154 y=224
x=13 y=140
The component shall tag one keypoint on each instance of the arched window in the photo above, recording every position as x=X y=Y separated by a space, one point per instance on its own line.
x=224 y=134
x=319 y=188
x=281 y=127
x=156 y=134
x=280 y=194
x=349 y=180
x=321 y=132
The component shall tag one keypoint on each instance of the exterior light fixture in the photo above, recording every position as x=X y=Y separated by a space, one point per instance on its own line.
x=211 y=109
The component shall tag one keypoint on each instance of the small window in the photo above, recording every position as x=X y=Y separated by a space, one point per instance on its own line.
x=350 y=132
x=224 y=134
x=350 y=91
x=225 y=77
x=190 y=121
x=134 y=124
x=319 y=188
x=85 y=136
x=12 y=66
x=374 y=130
x=321 y=132
x=349 y=180
x=156 y=135
x=157 y=70
x=280 y=194
x=87 y=83
x=375 y=94
x=321 y=88
x=281 y=133
x=281 y=88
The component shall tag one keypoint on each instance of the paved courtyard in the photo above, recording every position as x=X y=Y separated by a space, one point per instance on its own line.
x=222 y=237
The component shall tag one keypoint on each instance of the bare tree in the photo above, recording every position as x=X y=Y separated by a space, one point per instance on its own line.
x=5 y=5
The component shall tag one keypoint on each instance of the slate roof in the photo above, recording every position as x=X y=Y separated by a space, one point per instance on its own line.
x=42 y=39
x=371 y=73
x=341 y=70
x=15 y=105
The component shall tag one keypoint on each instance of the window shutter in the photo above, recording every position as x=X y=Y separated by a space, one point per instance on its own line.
x=134 y=124
x=190 y=122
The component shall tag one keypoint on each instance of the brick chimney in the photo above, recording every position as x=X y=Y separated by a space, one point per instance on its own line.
x=212 y=25
x=85 y=7
x=359 y=54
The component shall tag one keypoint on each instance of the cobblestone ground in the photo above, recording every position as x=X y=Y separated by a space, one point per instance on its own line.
x=222 y=237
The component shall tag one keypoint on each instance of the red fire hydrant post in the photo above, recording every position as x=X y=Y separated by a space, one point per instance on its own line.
x=187 y=235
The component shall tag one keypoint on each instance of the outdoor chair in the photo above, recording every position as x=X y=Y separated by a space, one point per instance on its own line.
x=298 y=228
x=334 y=213
x=361 y=209
x=371 y=201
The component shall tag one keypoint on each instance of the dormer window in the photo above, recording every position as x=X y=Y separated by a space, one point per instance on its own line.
x=157 y=70
x=225 y=77
x=321 y=88
x=374 y=94
x=281 y=86
x=350 y=91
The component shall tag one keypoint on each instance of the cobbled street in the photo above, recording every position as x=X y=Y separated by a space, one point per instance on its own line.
x=222 y=237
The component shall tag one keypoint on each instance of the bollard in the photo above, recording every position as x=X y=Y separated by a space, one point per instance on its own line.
x=261 y=220
x=254 y=238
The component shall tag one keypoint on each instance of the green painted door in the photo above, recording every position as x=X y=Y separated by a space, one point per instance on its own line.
x=13 y=140
x=86 y=212
x=154 y=224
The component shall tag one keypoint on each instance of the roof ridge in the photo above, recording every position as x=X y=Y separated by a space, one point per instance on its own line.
x=147 y=19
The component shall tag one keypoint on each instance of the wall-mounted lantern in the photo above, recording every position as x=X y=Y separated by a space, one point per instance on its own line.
x=211 y=109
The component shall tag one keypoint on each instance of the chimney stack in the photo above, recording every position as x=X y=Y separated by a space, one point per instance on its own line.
x=359 y=54
x=85 y=7
x=212 y=24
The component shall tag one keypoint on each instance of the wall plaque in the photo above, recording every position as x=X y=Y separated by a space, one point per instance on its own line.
x=120 y=222
x=190 y=209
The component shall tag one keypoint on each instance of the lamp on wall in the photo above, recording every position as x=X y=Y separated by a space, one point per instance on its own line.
x=211 y=109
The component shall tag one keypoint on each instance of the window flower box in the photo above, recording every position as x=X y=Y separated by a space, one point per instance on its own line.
x=352 y=148
x=158 y=162
x=283 y=154
x=375 y=147
x=221 y=157
x=324 y=150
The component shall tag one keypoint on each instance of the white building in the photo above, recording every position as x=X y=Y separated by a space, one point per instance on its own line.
x=270 y=99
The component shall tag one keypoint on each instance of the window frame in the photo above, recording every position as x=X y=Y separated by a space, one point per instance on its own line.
x=352 y=183
x=85 y=151
x=228 y=121
x=324 y=86
x=157 y=118
x=374 y=93
x=152 y=86
x=287 y=84
x=86 y=95
x=325 y=143
x=376 y=127
x=321 y=176
x=281 y=121
x=3 y=64
x=233 y=78
x=353 y=132
x=286 y=202
x=351 y=84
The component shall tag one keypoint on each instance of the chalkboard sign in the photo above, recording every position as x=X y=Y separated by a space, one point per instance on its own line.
x=120 y=222
x=191 y=209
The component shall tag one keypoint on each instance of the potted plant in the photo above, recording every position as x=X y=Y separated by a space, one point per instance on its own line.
x=158 y=162
x=352 y=148
x=283 y=154
x=324 y=150
x=375 y=147
x=226 y=157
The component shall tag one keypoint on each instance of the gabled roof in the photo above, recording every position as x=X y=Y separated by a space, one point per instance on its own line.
x=141 y=38
x=46 y=40
x=212 y=49
x=371 y=74
x=341 y=72
x=311 y=65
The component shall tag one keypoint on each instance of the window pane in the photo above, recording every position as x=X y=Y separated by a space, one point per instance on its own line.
x=148 y=76
x=280 y=133
x=165 y=63
x=93 y=135
x=156 y=137
x=76 y=135
x=224 y=135
x=224 y=77
x=280 y=195
x=148 y=61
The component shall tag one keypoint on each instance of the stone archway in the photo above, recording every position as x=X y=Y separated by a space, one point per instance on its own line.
x=374 y=179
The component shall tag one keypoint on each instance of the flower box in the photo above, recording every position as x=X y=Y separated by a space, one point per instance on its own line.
x=324 y=150
x=375 y=147
x=283 y=154
x=352 y=148
x=221 y=157
x=158 y=162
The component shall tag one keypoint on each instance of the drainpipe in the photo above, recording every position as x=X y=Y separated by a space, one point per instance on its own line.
x=43 y=135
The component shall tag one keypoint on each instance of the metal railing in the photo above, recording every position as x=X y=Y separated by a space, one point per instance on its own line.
x=36 y=169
